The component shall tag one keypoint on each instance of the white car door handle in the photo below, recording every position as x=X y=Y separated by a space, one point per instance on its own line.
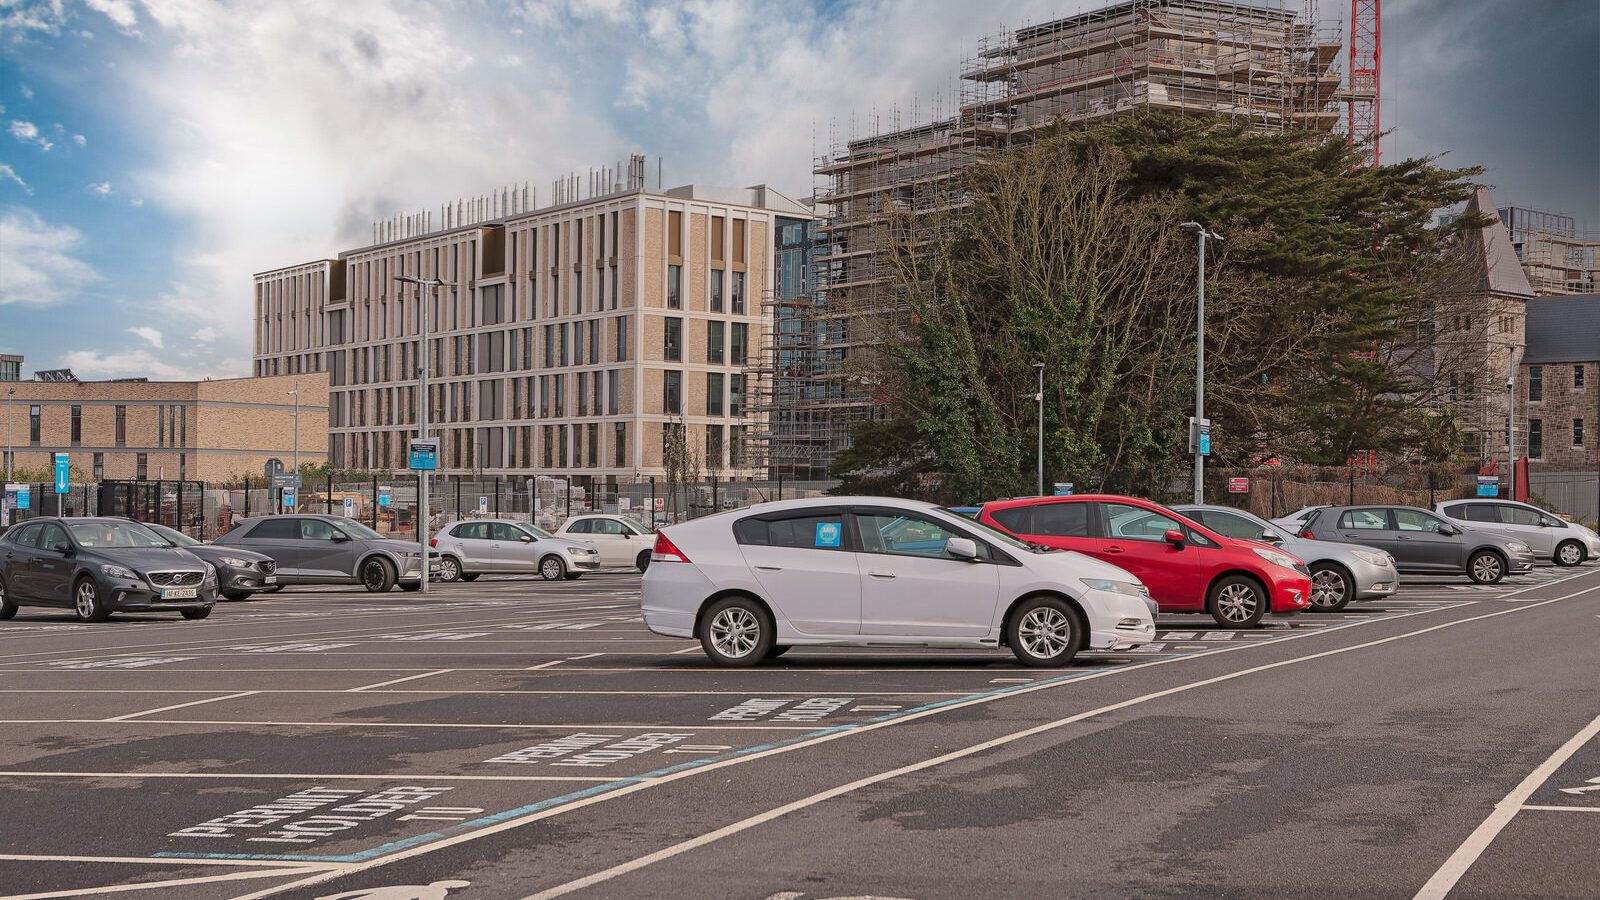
x=881 y=573
x=770 y=568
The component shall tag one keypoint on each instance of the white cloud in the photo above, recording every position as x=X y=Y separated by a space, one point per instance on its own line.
x=38 y=260
x=207 y=335
x=9 y=174
x=120 y=12
x=80 y=140
x=151 y=335
x=28 y=133
x=17 y=19
x=136 y=202
x=100 y=189
x=134 y=363
x=26 y=92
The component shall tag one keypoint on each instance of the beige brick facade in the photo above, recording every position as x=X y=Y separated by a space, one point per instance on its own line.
x=541 y=361
x=195 y=430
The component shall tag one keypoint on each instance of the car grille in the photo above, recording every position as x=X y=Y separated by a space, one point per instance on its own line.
x=176 y=579
x=267 y=566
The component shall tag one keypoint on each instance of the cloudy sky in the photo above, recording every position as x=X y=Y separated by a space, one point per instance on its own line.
x=156 y=153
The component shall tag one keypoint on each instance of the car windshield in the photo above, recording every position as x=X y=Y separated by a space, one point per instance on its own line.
x=990 y=533
x=173 y=536
x=115 y=534
x=534 y=530
x=357 y=530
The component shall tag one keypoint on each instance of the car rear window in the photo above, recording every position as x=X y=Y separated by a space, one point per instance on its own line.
x=1014 y=519
x=808 y=532
x=1061 y=520
x=276 y=529
x=579 y=527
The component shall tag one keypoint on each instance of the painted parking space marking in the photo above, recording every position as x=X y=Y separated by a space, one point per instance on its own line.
x=288 y=648
x=783 y=709
x=591 y=750
x=122 y=662
x=310 y=816
x=430 y=636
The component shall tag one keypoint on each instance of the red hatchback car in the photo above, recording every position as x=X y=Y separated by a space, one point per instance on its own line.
x=1186 y=566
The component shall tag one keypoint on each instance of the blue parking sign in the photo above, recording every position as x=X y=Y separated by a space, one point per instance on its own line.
x=829 y=534
x=24 y=497
x=63 y=473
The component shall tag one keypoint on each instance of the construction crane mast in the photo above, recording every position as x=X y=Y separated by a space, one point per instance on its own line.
x=1366 y=55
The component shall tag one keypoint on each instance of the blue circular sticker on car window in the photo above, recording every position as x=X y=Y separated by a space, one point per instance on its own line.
x=828 y=534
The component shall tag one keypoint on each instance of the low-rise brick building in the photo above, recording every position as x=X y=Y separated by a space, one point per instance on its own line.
x=1560 y=384
x=167 y=430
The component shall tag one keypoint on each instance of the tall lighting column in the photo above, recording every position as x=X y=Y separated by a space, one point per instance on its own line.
x=422 y=408
x=1199 y=230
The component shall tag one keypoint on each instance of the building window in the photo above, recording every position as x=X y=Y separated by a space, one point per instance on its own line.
x=714 y=336
x=716 y=290
x=1535 y=439
x=593 y=440
x=33 y=425
x=99 y=467
x=141 y=466
x=674 y=287
x=1467 y=386
x=674 y=340
x=622 y=338
x=619 y=444
x=735 y=395
x=161 y=426
x=1577 y=434
x=583 y=393
x=738 y=293
x=714 y=447
x=740 y=334
x=713 y=393
x=1535 y=383
x=672 y=392
x=77 y=425
x=1577 y=378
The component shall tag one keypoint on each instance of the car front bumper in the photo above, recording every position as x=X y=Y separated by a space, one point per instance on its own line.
x=586 y=563
x=1118 y=621
x=1288 y=590
x=1520 y=563
x=135 y=595
x=245 y=580
x=1373 y=582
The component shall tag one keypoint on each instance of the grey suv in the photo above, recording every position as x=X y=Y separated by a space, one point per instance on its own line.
x=1421 y=542
x=312 y=549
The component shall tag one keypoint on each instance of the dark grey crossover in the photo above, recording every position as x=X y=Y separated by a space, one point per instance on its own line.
x=1421 y=542
x=312 y=549
x=240 y=572
x=96 y=567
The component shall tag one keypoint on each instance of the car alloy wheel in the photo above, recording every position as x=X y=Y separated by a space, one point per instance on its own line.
x=376 y=576
x=449 y=569
x=735 y=632
x=1236 y=602
x=1045 y=632
x=1569 y=554
x=1485 y=568
x=7 y=608
x=86 y=602
x=1330 y=589
x=551 y=569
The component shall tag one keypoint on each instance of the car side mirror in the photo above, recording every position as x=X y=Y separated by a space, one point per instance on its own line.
x=526 y=539
x=1174 y=537
x=1449 y=530
x=340 y=537
x=962 y=548
x=628 y=535
x=1271 y=537
x=63 y=547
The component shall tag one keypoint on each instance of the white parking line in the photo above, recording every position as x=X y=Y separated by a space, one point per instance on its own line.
x=368 y=687
x=557 y=662
x=1476 y=843
x=270 y=776
x=170 y=883
x=150 y=712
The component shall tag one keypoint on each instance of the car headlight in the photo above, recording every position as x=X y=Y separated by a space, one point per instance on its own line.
x=1371 y=557
x=1275 y=557
x=211 y=572
x=115 y=571
x=234 y=561
x=1518 y=547
x=580 y=551
x=1131 y=588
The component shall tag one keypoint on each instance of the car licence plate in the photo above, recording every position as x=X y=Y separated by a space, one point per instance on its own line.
x=179 y=593
x=269 y=579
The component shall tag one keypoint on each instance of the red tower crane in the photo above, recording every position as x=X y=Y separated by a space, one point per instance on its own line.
x=1366 y=55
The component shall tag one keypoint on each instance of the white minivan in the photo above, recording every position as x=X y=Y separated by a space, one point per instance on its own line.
x=1550 y=536
x=875 y=571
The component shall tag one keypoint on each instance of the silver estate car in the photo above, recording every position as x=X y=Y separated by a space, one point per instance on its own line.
x=1340 y=573
x=472 y=547
x=1422 y=542
x=1551 y=537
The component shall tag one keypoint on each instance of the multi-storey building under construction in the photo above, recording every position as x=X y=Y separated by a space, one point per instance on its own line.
x=1268 y=64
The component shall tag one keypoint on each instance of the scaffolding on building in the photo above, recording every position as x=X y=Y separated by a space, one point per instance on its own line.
x=1271 y=65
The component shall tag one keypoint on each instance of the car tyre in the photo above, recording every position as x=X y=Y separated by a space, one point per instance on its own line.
x=642 y=561
x=449 y=569
x=411 y=587
x=194 y=614
x=1332 y=587
x=1043 y=632
x=736 y=632
x=1486 y=567
x=551 y=568
x=1569 y=553
x=7 y=608
x=470 y=576
x=86 y=601
x=778 y=650
x=377 y=575
x=1237 y=601
x=573 y=576
x=235 y=595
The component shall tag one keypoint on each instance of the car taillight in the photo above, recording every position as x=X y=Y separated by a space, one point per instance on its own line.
x=666 y=551
x=433 y=542
x=1307 y=535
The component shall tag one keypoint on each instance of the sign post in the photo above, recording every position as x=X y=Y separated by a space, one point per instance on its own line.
x=385 y=496
x=1063 y=489
x=349 y=507
x=423 y=459
x=1238 y=485
x=288 y=498
x=483 y=506
x=1488 y=485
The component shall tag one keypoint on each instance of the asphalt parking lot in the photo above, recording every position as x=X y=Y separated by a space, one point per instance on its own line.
x=516 y=738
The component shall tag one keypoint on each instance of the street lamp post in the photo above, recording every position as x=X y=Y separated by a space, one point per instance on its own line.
x=1511 y=414
x=1199 y=230
x=422 y=408
x=1040 y=398
x=296 y=394
x=10 y=451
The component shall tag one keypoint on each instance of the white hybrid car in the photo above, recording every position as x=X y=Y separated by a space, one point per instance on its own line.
x=874 y=571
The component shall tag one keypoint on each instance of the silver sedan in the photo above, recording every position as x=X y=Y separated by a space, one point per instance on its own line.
x=476 y=547
x=1340 y=573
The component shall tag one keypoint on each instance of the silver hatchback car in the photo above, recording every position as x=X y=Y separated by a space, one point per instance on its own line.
x=471 y=547
x=1340 y=573
x=1551 y=537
